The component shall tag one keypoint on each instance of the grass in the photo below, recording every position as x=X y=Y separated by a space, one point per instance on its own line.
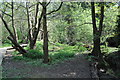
x=57 y=53
x=5 y=45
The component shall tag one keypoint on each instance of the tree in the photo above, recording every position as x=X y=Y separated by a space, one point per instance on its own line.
x=33 y=27
x=45 y=32
x=14 y=28
x=12 y=36
x=97 y=30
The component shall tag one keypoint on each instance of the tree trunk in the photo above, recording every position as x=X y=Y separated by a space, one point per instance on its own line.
x=45 y=36
x=96 y=39
x=12 y=38
x=29 y=30
x=96 y=49
x=17 y=46
x=13 y=26
x=97 y=31
x=33 y=33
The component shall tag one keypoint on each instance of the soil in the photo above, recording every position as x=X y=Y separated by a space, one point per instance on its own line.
x=77 y=67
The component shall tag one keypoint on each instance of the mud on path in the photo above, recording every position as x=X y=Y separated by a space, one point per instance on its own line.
x=73 y=68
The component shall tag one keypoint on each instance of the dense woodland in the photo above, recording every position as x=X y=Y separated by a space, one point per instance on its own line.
x=54 y=31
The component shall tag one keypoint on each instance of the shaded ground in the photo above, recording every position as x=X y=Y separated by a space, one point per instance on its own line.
x=73 y=68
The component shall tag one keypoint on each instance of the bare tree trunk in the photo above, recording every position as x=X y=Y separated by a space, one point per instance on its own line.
x=13 y=26
x=96 y=49
x=29 y=30
x=97 y=32
x=33 y=33
x=17 y=46
x=45 y=34
x=12 y=38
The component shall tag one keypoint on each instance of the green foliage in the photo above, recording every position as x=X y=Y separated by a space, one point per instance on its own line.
x=82 y=49
x=60 y=45
x=104 y=49
x=34 y=54
x=27 y=48
x=15 y=53
x=108 y=50
x=6 y=45
x=71 y=31
x=62 y=54
x=65 y=52
x=21 y=58
x=39 y=45
x=79 y=44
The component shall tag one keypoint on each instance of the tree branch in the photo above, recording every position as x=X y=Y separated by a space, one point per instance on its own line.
x=36 y=13
x=6 y=13
x=56 y=9
x=33 y=5
x=48 y=3
x=39 y=25
x=6 y=26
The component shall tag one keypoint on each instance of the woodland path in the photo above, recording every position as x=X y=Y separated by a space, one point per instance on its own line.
x=73 y=68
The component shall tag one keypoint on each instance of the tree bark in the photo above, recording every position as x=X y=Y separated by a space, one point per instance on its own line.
x=45 y=36
x=13 y=26
x=97 y=32
x=96 y=49
x=29 y=30
x=17 y=46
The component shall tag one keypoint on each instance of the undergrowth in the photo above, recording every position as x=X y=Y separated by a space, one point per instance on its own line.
x=57 y=53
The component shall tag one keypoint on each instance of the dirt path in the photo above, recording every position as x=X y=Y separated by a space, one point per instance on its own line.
x=74 y=68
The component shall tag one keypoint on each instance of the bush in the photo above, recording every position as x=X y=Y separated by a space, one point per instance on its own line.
x=34 y=54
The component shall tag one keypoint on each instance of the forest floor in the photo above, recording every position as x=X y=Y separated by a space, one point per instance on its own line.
x=77 y=67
